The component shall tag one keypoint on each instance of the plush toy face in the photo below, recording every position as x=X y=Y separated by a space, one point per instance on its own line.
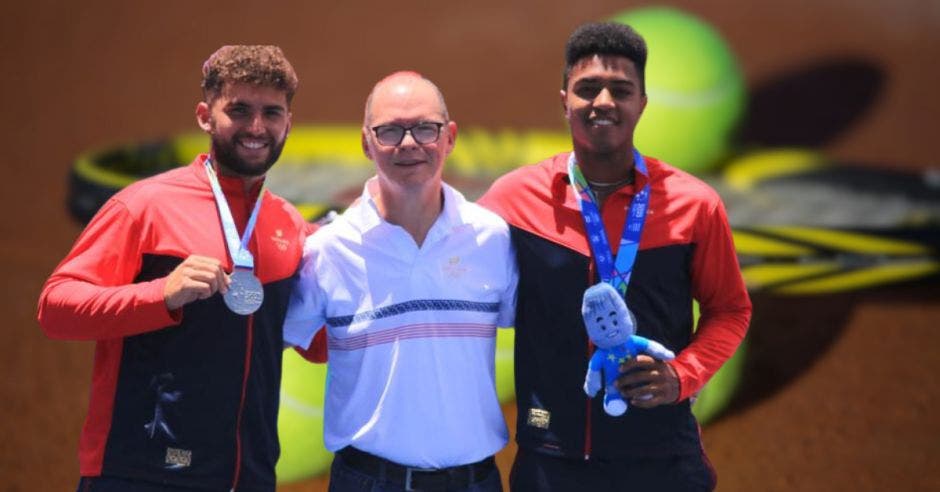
x=606 y=317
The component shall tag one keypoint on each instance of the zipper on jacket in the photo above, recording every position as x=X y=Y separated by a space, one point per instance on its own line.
x=241 y=404
x=590 y=352
x=249 y=339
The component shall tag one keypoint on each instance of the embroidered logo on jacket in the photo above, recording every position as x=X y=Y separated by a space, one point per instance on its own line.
x=539 y=418
x=178 y=458
x=279 y=240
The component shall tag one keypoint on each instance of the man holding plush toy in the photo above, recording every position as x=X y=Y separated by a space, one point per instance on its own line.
x=658 y=238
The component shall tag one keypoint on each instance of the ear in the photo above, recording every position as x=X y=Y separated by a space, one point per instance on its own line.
x=451 y=136
x=204 y=116
x=365 y=143
x=643 y=102
x=563 y=96
x=290 y=120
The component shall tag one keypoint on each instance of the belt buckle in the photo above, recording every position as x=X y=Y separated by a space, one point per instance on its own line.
x=408 y=479
x=409 y=474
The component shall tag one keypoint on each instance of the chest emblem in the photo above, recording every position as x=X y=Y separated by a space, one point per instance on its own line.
x=453 y=268
x=279 y=240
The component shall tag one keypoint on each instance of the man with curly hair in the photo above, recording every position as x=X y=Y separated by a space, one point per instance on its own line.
x=660 y=237
x=182 y=279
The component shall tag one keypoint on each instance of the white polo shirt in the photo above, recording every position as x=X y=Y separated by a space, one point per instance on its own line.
x=411 y=331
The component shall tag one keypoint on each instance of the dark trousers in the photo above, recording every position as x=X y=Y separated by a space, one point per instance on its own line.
x=537 y=472
x=114 y=484
x=345 y=478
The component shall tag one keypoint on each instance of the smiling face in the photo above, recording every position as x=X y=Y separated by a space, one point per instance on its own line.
x=248 y=125
x=603 y=102
x=407 y=100
x=606 y=318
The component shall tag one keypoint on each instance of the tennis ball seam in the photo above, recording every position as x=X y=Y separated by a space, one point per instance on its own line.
x=718 y=94
x=298 y=406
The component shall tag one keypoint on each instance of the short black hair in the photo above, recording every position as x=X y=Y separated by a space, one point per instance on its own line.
x=605 y=38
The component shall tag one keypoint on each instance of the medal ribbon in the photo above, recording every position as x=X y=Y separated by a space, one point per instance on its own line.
x=241 y=257
x=615 y=272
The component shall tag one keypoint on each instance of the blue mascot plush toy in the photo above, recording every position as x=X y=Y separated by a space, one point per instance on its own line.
x=611 y=327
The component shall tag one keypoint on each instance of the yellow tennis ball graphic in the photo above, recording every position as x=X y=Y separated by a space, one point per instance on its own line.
x=505 y=374
x=300 y=420
x=694 y=86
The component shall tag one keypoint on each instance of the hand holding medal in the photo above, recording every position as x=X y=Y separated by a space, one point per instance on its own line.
x=197 y=277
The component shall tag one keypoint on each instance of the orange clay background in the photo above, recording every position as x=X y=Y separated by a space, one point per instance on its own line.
x=856 y=408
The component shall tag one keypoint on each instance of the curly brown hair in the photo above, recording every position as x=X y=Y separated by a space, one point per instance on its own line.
x=250 y=64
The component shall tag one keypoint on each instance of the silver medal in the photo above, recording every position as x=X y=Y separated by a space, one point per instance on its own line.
x=245 y=293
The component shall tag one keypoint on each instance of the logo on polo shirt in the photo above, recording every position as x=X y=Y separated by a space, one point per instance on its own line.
x=453 y=268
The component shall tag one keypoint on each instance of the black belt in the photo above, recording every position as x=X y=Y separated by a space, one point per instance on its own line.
x=411 y=478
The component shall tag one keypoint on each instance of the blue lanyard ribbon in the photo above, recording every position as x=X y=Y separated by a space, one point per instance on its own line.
x=241 y=257
x=615 y=272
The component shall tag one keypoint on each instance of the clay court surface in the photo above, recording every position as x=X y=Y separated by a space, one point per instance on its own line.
x=847 y=394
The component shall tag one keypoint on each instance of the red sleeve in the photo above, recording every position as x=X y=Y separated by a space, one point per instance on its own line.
x=492 y=199
x=309 y=228
x=90 y=295
x=723 y=301
x=317 y=351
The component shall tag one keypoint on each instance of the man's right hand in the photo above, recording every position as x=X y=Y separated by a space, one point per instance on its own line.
x=197 y=277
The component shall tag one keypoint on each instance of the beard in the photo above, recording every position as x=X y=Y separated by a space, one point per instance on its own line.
x=226 y=155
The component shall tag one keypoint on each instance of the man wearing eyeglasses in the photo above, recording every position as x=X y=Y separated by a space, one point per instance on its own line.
x=410 y=283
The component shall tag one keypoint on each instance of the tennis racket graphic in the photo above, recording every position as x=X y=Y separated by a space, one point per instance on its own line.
x=803 y=228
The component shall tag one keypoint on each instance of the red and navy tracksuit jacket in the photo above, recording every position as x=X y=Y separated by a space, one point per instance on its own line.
x=686 y=252
x=186 y=398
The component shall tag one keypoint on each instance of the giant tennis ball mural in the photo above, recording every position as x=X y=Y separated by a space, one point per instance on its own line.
x=694 y=86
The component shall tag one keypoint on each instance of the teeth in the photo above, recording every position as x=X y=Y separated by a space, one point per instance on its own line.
x=602 y=122
x=253 y=145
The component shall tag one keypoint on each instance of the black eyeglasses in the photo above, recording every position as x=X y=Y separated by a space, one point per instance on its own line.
x=423 y=133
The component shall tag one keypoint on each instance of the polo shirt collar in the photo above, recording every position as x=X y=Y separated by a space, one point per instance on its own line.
x=367 y=215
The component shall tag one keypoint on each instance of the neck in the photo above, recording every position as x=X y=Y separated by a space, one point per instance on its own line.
x=248 y=182
x=613 y=167
x=414 y=210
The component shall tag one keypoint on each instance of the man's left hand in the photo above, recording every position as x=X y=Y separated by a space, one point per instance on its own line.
x=646 y=382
